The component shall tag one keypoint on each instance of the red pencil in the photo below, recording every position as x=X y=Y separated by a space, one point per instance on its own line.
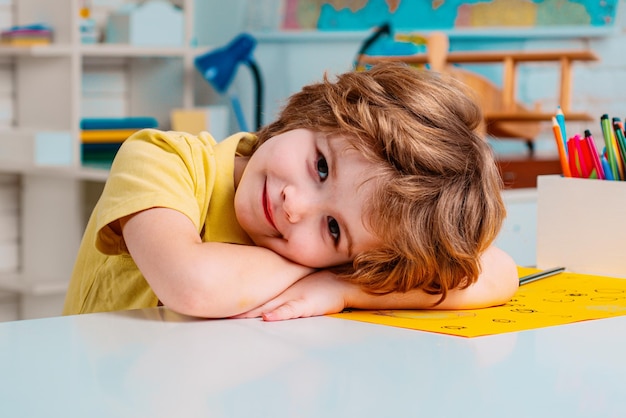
x=571 y=154
x=593 y=152
x=583 y=159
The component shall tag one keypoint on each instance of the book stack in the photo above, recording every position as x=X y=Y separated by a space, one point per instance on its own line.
x=27 y=35
x=101 y=138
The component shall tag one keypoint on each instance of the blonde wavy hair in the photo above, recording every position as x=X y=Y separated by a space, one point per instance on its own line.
x=437 y=204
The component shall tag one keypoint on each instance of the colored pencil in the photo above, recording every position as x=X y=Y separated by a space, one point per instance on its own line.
x=609 y=145
x=583 y=160
x=574 y=164
x=608 y=173
x=558 y=137
x=593 y=152
x=621 y=141
x=560 y=119
x=540 y=275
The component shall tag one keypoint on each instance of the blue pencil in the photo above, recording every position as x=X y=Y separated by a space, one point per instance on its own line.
x=608 y=174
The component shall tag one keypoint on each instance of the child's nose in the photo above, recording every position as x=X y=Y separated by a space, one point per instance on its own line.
x=297 y=204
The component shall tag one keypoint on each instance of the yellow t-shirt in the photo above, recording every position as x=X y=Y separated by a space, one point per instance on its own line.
x=188 y=173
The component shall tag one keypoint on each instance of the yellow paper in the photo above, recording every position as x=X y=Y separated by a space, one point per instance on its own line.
x=556 y=300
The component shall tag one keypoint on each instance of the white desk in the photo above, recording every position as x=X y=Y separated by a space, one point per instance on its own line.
x=154 y=363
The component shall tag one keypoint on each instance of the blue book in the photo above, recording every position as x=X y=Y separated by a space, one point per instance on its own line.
x=135 y=122
x=104 y=147
x=99 y=155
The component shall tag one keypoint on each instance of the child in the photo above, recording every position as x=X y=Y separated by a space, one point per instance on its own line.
x=373 y=191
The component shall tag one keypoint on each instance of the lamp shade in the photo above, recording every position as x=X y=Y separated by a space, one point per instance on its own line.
x=218 y=67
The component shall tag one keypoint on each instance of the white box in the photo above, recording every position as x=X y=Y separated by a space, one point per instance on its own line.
x=151 y=23
x=581 y=225
x=53 y=148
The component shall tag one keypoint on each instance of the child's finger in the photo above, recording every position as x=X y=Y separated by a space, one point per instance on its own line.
x=259 y=310
x=288 y=310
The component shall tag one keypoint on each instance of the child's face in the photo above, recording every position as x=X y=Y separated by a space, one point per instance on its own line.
x=302 y=195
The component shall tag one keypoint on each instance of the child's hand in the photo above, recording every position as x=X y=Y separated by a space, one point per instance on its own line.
x=319 y=293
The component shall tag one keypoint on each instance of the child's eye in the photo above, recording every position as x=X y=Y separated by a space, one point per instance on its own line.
x=333 y=228
x=322 y=167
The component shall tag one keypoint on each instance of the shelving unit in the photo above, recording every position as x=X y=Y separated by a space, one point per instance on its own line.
x=57 y=192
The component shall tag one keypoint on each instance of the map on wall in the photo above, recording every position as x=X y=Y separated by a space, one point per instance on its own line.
x=446 y=14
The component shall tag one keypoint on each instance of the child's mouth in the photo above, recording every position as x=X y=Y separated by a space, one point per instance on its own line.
x=266 y=207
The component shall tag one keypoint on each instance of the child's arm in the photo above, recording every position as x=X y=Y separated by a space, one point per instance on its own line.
x=322 y=293
x=205 y=279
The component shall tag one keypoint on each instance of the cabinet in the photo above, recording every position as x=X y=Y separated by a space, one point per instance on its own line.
x=42 y=142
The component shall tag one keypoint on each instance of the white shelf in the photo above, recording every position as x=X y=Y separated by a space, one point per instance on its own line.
x=23 y=286
x=502 y=33
x=52 y=50
x=121 y=50
x=88 y=173
x=69 y=172
x=100 y=50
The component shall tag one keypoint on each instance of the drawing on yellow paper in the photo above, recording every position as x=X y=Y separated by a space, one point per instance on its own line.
x=561 y=299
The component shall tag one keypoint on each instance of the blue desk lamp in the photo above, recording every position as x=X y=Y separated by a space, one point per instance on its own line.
x=218 y=67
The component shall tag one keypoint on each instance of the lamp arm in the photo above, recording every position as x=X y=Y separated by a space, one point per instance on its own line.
x=258 y=85
x=384 y=29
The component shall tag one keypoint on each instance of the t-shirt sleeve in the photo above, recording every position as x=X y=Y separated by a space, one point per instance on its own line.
x=155 y=169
